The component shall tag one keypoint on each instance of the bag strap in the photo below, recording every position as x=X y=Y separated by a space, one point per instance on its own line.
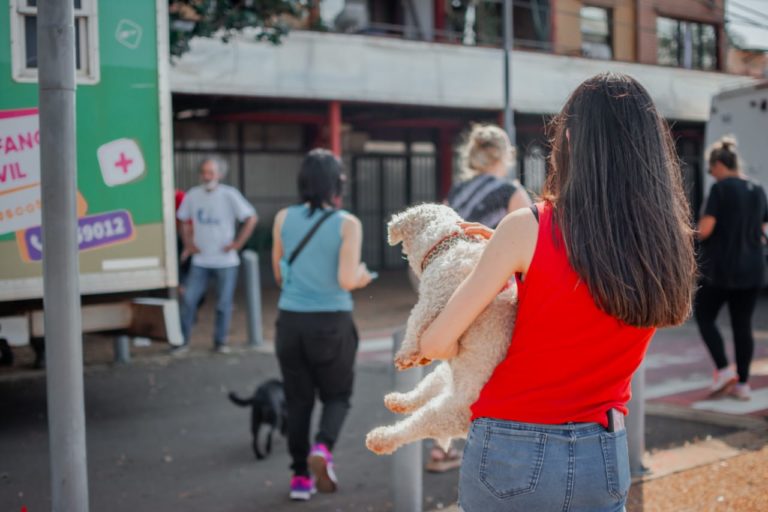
x=309 y=235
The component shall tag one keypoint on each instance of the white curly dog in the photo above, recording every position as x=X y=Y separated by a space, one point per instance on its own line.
x=442 y=255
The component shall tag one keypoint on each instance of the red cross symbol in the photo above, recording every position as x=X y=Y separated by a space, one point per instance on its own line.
x=123 y=162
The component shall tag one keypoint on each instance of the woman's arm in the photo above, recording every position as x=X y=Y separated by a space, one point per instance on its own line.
x=277 y=245
x=509 y=251
x=706 y=227
x=352 y=273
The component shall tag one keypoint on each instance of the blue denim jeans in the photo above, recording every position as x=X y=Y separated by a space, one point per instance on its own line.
x=196 y=284
x=510 y=466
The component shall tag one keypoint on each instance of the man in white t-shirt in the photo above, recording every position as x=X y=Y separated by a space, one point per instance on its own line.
x=209 y=213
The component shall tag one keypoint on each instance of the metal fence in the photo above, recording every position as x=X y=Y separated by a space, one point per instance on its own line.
x=383 y=184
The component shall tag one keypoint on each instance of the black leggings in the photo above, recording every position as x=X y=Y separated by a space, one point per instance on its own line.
x=316 y=352
x=741 y=306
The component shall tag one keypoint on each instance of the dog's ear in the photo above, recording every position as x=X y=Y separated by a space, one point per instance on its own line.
x=395 y=228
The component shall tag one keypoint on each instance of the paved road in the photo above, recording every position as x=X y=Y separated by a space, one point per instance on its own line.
x=163 y=437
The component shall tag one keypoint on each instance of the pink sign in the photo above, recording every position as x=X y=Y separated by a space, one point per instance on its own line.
x=19 y=170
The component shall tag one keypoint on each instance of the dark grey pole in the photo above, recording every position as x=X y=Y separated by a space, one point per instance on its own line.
x=250 y=263
x=407 y=464
x=508 y=35
x=61 y=289
x=122 y=348
x=636 y=424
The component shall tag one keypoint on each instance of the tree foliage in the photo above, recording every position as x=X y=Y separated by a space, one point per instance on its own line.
x=223 y=18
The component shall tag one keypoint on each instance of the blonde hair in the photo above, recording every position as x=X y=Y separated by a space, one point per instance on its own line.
x=485 y=146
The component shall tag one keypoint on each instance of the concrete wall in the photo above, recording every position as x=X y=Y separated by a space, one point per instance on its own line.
x=319 y=66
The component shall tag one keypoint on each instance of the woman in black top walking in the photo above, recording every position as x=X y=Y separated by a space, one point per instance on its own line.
x=732 y=231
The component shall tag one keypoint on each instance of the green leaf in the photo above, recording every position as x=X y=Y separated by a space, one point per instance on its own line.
x=222 y=19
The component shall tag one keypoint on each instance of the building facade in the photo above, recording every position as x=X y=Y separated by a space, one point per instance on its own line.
x=394 y=86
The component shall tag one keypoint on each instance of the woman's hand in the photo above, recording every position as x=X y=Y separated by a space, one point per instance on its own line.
x=364 y=276
x=476 y=229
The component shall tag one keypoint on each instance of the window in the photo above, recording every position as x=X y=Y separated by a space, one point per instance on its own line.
x=596 y=33
x=480 y=22
x=686 y=44
x=24 y=40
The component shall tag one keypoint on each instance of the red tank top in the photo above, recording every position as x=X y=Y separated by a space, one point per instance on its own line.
x=568 y=360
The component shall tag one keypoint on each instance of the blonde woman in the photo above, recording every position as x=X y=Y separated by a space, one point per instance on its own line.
x=486 y=194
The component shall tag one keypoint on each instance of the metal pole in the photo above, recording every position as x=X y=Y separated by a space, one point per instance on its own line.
x=508 y=35
x=253 y=297
x=636 y=424
x=61 y=290
x=122 y=348
x=407 y=463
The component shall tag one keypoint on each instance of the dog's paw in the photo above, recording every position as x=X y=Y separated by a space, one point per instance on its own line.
x=379 y=442
x=394 y=402
x=407 y=359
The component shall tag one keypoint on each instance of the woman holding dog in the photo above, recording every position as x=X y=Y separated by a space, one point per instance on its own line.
x=316 y=260
x=607 y=258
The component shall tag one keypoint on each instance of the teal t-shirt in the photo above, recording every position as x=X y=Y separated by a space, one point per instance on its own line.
x=313 y=284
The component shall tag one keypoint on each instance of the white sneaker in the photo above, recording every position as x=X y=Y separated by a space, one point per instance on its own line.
x=741 y=392
x=179 y=351
x=723 y=381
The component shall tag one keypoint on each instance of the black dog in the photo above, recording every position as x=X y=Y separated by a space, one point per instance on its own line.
x=267 y=407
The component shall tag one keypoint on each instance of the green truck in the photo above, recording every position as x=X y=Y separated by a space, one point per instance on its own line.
x=126 y=228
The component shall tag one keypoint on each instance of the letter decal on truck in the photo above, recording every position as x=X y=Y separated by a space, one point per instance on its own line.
x=19 y=170
x=93 y=232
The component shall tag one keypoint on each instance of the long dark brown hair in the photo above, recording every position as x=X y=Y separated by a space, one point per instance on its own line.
x=616 y=188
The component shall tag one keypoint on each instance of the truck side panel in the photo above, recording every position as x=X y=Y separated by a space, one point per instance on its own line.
x=124 y=171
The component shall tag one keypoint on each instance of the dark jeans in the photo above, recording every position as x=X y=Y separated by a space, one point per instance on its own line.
x=741 y=306
x=316 y=352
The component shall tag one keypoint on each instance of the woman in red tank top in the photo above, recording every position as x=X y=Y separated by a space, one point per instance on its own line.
x=607 y=258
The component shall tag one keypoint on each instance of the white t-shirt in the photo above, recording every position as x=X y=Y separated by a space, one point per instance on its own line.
x=213 y=215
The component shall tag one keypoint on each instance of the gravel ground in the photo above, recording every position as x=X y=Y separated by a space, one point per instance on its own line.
x=736 y=484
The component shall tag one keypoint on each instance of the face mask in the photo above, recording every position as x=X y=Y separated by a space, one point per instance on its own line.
x=210 y=185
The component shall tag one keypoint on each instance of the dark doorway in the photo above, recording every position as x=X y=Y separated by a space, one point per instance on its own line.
x=381 y=185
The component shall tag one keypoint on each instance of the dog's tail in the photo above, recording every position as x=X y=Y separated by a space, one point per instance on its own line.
x=238 y=400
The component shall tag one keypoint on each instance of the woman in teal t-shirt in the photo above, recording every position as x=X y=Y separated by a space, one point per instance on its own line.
x=316 y=338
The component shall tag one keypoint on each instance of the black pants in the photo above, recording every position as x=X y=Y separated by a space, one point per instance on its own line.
x=316 y=352
x=741 y=306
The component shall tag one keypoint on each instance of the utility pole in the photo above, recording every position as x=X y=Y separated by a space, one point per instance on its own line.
x=61 y=287
x=508 y=34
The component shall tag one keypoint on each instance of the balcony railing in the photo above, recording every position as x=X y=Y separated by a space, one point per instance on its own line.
x=470 y=24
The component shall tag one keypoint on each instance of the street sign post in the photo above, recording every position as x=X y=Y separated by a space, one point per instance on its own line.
x=61 y=289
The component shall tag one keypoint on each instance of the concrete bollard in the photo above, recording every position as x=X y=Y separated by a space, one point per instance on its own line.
x=122 y=348
x=250 y=263
x=636 y=424
x=407 y=463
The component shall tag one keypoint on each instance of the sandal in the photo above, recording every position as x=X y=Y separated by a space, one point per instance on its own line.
x=440 y=461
